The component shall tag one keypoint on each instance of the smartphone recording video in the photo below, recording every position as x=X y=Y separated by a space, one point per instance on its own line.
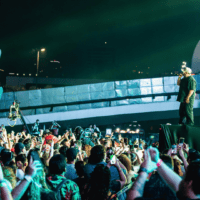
x=181 y=141
x=174 y=149
x=108 y=131
x=112 y=159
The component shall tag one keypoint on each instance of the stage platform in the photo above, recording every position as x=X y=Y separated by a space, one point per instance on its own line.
x=170 y=134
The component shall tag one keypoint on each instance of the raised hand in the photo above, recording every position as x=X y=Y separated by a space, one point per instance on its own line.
x=33 y=167
x=1 y=173
x=67 y=135
x=52 y=144
x=154 y=153
x=180 y=150
x=186 y=147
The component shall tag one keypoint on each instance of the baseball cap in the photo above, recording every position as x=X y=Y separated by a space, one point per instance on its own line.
x=51 y=137
x=71 y=154
x=46 y=131
x=186 y=69
x=18 y=148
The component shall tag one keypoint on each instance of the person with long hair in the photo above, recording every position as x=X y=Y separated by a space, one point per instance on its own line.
x=98 y=184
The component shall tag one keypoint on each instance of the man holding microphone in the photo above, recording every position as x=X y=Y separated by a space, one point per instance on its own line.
x=186 y=95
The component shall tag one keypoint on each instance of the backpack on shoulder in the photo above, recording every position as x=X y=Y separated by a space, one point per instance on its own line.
x=57 y=190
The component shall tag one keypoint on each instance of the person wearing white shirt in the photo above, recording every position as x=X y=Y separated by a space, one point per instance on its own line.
x=22 y=163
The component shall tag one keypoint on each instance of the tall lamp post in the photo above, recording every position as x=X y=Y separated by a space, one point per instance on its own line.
x=38 y=61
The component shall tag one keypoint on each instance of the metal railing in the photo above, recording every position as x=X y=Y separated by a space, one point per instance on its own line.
x=51 y=106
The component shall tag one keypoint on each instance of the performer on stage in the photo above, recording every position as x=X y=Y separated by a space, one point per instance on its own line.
x=55 y=128
x=186 y=95
x=35 y=127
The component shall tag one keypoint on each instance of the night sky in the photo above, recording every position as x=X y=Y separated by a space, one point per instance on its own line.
x=150 y=36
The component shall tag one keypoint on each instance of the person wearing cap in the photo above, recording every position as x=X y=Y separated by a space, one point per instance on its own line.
x=186 y=95
x=20 y=148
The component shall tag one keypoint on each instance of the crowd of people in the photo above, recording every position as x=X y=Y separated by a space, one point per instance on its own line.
x=67 y=166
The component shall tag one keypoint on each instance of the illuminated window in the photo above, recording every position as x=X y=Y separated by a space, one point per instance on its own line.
x=17 y=74
x=139 y=72
x=36 y=75
x=23 y=74
x=148 y=67
x=29 y=74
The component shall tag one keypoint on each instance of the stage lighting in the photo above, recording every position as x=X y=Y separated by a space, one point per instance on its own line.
x=117 y=130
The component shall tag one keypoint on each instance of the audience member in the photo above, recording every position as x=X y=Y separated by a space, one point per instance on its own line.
x=53 y=168
x=79 y=166
x=71 y=155
x=20 y=148
x=57 y=168
x=21 y=162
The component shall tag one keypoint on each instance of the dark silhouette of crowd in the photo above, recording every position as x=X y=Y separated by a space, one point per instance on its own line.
x=48 y=167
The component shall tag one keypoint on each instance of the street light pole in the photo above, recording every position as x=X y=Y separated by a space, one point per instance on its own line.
x=38 y=61
x=38 y=58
